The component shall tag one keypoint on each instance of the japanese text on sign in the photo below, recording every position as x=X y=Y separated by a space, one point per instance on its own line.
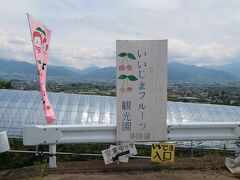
x=162 y=153
x=121 y=153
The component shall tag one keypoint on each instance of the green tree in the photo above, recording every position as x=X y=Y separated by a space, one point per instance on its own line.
x=6 y=85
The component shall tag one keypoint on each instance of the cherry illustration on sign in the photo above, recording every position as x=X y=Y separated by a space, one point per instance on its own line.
x=126 y=69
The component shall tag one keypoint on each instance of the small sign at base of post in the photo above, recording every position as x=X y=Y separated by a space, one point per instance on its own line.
x=162 y=152
x=233 y=164
x=119 y=153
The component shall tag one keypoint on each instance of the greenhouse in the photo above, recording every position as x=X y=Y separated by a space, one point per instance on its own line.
x=18 y=108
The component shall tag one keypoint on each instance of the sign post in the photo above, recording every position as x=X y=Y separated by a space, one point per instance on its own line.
x=141 y=71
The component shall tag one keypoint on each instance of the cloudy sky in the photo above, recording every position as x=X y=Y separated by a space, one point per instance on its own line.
x=84 y=34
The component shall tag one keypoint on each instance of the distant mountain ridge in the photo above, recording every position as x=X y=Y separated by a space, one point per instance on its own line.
x=183 y=72
x=176 y=73
x=232 y=68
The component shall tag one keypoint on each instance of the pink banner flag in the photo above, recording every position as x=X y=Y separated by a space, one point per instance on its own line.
x=41 y=40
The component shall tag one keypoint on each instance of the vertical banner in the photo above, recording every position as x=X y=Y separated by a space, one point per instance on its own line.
x=141 y=72
x=41 y=35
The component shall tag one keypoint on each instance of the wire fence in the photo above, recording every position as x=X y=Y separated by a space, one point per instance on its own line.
x=188 y=146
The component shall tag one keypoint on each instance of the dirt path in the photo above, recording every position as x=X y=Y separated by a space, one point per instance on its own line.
x=170 y=175
x=207 y=168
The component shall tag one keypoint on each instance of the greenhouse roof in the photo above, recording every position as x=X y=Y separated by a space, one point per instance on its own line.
x=18 y=108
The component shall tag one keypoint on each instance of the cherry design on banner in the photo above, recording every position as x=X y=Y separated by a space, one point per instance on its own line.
x=40 y=40
x=126 y=74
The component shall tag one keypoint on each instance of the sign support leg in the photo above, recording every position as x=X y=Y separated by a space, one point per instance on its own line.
x=237 y=148
x=52 y=156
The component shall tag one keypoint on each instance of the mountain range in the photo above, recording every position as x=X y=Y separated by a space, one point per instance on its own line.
x=183 y=72
x=232 y=68
x=10 y=69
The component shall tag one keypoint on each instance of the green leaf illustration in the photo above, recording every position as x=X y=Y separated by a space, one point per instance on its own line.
x=122 y=76
x=123 y=54
x=42 y=31
x=39 y=61
x=132 y=78
x=131 y=56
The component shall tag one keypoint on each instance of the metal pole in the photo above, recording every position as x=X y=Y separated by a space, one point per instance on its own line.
x=52 y=156
x=237 y=148
x=191 y=148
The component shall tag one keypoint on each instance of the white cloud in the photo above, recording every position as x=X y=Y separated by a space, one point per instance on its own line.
x=159 y=5
x=17 y=48
x=82 y=57
x=84 y=32
x=203 y=54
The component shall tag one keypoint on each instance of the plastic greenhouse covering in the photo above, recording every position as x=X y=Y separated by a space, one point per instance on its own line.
x=18 y=108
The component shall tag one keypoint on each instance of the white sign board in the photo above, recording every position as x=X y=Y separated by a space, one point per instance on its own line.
x=141 y=72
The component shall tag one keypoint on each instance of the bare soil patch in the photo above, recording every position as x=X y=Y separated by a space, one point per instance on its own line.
x=207 y=168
